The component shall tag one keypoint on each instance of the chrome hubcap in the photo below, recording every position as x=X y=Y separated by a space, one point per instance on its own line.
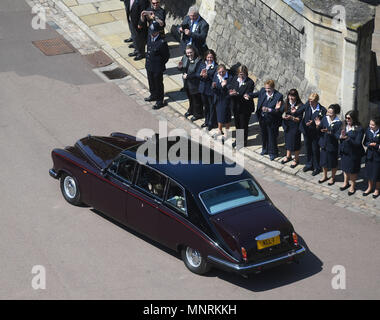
x=193 y=257
x=70 y=187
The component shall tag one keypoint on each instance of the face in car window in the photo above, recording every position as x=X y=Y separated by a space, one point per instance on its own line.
x=151 y=181
x=176 y=197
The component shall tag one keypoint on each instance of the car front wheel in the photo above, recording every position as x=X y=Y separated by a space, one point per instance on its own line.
x=70 y=189
x=194 y=260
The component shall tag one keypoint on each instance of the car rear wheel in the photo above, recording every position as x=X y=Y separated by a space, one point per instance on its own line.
x=194 y=260
x=70 y=189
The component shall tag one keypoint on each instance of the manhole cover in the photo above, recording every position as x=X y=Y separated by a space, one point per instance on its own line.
x=98 y=59
x=55 y=46
x=114 y=74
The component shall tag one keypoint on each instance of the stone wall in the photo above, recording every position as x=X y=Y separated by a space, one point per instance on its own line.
x=252 y=33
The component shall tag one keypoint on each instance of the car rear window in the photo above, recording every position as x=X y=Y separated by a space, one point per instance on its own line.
x=230 y=196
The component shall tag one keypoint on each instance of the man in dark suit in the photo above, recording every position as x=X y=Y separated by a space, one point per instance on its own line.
x=194 y=31
x=156 y=58
x=134 y=8
x=311 y=134
x=269 y=111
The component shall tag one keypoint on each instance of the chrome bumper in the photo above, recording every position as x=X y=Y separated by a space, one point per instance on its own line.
x=54 y=174
x=257 y=267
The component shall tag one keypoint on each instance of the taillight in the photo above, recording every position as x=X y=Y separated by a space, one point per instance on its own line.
x=295 y=239
x=244 y=253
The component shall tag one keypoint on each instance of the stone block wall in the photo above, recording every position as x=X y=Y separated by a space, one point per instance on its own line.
x=251 y=33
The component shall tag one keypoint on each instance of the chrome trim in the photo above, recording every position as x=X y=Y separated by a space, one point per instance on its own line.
x=268 y=235
x=237 y=267
x=53 y=174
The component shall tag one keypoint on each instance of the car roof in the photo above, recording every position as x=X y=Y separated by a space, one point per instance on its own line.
x=195 y=175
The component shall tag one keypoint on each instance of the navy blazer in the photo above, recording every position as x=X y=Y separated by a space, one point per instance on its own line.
x=221 y=95
x=373 y=153
x=311 y=130
x=157 y=55
x=352 y=145
x=205 y=83
x=198 y=36
x=275 y=115
x=287 y=124
x=239 y=104
x=330 y=140
x=190 y=68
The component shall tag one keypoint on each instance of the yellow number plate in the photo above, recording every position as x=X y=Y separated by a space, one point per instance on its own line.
x=262 y=244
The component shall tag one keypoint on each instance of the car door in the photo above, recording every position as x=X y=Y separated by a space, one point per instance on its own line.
x=110 y=194
x=146 y=197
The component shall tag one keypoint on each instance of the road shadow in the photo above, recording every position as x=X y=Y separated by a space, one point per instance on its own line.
x=276 y=277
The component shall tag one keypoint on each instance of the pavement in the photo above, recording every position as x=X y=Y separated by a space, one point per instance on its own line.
x=93 y=25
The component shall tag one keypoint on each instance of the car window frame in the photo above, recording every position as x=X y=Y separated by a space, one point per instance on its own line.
x=226 y=184
x=155 y=197
x=119 y=177
x=171 y=206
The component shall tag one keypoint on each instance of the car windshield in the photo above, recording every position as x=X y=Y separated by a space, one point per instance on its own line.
x=230 y=196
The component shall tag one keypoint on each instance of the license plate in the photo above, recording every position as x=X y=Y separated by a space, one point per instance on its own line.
x=262 y=244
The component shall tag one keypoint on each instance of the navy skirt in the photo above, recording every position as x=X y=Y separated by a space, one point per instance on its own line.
x=329 y=159
x=372 y=170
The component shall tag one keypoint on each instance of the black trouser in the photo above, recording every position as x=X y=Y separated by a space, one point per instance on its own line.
x=156 y=85
x=242 y=122
x=139 y=38
x=313 y=152
x=269 y=134
x=195 y=102
x=209 y=111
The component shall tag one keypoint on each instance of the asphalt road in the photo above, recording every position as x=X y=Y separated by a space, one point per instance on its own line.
x=48 y=102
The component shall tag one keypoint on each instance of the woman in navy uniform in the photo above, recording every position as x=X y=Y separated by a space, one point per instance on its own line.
x=206 y=72
x=156 y=58
x=313 y=111
x=293 y=115
x=372 y=162
x=189 y=65
x=222 y=100
x=242 y=104
x=269 y=112
x=330 y=129
x=351 y=150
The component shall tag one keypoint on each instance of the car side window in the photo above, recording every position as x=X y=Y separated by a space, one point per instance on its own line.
x=176 y=197
x=126 y=169
x=151 y=181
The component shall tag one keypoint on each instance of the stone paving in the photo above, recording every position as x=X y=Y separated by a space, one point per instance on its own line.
x=93 y=25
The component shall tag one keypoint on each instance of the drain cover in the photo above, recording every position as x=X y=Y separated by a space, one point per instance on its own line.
x=98 y=59
x=114 y=74
x=55 y=46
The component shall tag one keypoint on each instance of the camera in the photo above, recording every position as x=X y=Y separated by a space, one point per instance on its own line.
x=185 y=26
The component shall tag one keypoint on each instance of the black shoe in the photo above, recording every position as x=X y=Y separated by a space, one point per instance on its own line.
x=194 y=118
x=344 y=187
x=188 y=114
x=366 y=193
x=158 y=105
x=128 y=40
x=263 y=152
x=375 y=195
x=149 y=99
x=315 y=172
x=139 y=57
x=306 y=169
x=351 y=193
x=272 y=157
x=131 y=46
x=294 y=165
x=133 y=54
x=204 y=125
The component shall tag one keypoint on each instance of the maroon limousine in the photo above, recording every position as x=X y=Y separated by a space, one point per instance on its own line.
x=210 y=218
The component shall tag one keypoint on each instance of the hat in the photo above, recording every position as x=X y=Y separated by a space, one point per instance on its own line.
x=155 y=27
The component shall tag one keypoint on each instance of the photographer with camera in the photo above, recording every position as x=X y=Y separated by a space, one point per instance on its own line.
x=155 y=13
x=194 y=30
